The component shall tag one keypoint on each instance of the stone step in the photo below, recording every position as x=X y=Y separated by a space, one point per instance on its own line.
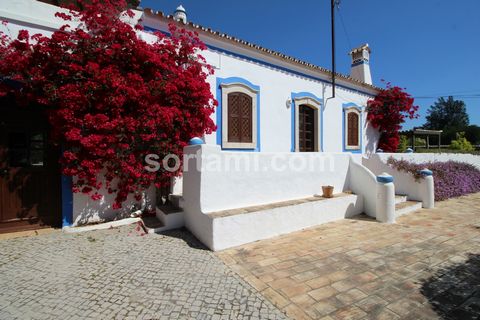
x=176 y=200
x=152 y=224
x=400 y=198
x=407 y=207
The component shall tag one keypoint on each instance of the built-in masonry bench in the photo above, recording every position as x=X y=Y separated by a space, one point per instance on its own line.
x=243 y=225
x=227 y=207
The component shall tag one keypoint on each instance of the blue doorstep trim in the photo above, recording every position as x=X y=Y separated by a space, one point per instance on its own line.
x=67 y=201
x=359 y=108
x=320 y=114
x=268 y=64
x=384 y=179
x=218 y=111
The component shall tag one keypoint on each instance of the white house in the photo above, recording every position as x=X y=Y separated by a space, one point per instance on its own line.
x=271 y=106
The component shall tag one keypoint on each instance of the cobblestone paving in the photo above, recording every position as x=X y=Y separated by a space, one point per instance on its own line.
x=426 y=266
x=118 y=274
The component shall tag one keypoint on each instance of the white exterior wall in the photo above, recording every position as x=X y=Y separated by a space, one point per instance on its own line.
x=277 y=80
x=276 y=88
x=86 y=210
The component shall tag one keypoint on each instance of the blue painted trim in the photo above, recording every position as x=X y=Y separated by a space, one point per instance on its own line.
x=384 y=179
x=218 y=111
x=268 y=64
x=67 y=201
x=195 y=141
x=360 y=63
x=320 y=114
x=346 y=106
x=426 y=172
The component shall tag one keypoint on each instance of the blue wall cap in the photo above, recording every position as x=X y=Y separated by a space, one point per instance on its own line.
x=409 y=150
x=426 y=172
x=384 y=178
x=195 y=141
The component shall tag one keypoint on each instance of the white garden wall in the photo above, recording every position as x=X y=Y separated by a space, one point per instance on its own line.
x=405 y=183
x=240 y=179
x=432 y=157
x=219 y=181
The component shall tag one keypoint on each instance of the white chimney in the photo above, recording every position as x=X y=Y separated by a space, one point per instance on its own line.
x=180 y=14
x=361 y=64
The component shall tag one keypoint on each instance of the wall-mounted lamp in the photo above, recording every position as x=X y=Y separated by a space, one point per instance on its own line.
x=288 y=103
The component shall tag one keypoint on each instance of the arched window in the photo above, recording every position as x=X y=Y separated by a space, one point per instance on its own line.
x=239 y=116
x=352 y=128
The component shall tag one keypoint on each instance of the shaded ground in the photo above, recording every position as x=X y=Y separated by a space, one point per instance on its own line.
x=424 y=267
x=118 y=274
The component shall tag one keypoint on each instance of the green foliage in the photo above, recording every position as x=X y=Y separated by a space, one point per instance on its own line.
x=404 y=143
x=461 y=143
x=472 y=133
x=449 y=115
x=420 y=142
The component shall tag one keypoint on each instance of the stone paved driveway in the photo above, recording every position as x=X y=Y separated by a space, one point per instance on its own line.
x=427 y=266
x=118 y=274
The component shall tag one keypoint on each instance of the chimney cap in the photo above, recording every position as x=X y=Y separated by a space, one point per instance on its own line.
x=361 y=48
x=180 y=8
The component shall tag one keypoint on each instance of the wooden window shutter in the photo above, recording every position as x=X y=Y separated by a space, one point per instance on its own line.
x=239 y=117
x=352 y=129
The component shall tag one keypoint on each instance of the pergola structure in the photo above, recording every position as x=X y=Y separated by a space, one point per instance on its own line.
x=427 y=133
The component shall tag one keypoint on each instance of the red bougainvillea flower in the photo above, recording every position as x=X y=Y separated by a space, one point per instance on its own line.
x=387 y=111
x=111 y=97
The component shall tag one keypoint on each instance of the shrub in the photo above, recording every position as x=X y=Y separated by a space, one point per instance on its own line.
x=403 y=145
x=112 y=98
x=451 y=178
x=387 y=111
x=461 y=143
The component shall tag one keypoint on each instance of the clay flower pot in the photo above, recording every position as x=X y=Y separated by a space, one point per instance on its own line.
x=327 y=191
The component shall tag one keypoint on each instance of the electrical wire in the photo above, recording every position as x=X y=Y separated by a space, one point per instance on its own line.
x=344 y=28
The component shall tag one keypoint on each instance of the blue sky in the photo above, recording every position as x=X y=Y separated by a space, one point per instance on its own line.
x=430 y=47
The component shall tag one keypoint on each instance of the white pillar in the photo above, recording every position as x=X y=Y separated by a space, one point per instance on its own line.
x=385 y=198
x=428 y=189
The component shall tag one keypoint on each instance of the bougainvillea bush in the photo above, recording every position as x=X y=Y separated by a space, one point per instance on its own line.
x=451 y=178
x=387 y=111
x=111 y=97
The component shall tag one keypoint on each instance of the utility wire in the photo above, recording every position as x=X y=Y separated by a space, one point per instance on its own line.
x=343 y=27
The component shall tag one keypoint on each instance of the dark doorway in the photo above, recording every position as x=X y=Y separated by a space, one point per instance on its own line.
x=306 y=128
x=30 y=183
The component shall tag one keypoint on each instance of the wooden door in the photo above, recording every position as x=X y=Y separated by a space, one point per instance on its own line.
x=30 y=183
x=306 y=129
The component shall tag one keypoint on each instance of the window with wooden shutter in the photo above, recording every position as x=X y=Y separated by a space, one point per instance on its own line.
x=352 y=129
x=239 y=129
x=239 y=117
